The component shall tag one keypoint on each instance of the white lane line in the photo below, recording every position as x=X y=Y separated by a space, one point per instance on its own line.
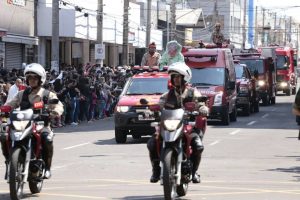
x=214 y=143
x=266 y=115
x=251 y=123
x=78 y=145
x=235 y=132
x=274 y=109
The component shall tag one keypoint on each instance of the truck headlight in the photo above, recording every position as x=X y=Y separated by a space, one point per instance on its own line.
x=261 y=83
x=122 y=109
x=283 y=84
x=218 y=99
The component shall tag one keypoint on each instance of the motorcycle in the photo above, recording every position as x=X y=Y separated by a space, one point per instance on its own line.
x=175 y=134
x=24 y=128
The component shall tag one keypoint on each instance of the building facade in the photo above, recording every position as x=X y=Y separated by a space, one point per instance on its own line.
x=17 y=41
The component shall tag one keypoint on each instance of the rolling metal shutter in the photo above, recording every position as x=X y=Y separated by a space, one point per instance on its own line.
x=13 y=55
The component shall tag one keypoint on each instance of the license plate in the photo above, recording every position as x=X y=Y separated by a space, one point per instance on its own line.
x=145 y=118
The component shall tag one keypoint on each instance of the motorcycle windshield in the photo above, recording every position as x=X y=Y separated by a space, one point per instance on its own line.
x=176 y=114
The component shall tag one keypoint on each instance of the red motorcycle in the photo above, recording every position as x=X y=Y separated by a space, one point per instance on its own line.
x=174 y=146
x=24 y=128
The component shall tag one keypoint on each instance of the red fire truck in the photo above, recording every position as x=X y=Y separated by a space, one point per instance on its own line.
x=285 y=70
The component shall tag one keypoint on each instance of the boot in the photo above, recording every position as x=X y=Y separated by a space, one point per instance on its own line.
x=47 y=155
x=196 y=162
x=155 y=172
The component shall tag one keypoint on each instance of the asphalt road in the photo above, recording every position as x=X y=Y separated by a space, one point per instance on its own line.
x=255 y=158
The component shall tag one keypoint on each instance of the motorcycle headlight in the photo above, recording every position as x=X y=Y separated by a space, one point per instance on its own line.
x=283 y=84
x=122 y=109
x=218 y=99
x=171 y=124
x=20 y=125
x=261 y=83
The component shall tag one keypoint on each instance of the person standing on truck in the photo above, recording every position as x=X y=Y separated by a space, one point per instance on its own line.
x=171 y=55
x=152 y=57
x=217 y=37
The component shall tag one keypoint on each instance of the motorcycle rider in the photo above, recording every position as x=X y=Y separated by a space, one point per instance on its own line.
x=180 y=75
x=35 y=77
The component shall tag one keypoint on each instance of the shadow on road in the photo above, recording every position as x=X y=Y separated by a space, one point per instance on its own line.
x=154 y=197
x=129 y=141
x=294 y=170
x=25 y=196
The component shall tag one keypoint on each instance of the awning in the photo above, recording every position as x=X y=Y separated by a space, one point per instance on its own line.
x=190 y=18
x=20 y=39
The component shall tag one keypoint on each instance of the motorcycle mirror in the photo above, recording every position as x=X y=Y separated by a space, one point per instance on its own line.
x=53 y=101
x=38 y=105
x=143 y=101
x=154 y=108
x=190 y=106
x=5 y=109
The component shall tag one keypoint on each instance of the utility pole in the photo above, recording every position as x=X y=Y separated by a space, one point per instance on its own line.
x=244 y=24
x=256 y=29
x=148 y=31
x=290 y=30
x=173 y=20
x=35 y=29
x=125 y=33
x=100 y=29
x=275 y=28
x=263 y=29
x=55 y=36
x=285 y=30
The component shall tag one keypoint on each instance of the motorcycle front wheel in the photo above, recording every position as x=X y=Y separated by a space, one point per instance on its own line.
x=169 y=172
x=16 y=174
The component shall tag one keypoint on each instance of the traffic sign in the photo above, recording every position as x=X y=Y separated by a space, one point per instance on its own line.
x=99 y=51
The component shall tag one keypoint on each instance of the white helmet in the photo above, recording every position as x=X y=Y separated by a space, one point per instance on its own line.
x=181 y=68
x=37 y=69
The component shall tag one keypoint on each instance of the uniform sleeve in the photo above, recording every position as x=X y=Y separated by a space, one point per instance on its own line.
x=58 y=108
x=163 y=100
x=15 y=102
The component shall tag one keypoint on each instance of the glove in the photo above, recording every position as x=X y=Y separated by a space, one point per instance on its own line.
x=204 y=111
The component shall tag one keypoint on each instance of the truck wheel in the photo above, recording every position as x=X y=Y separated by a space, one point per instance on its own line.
x=225 y=118
x=256 y=106
x=273 y=100
x=247 y=109
x=266 y=100
x=136 y=136
x=294 y=90
x=233 y=115
x=288 y=92
x=120 y=136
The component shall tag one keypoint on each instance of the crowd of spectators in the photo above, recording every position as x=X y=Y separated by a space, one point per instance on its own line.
x=88 y=92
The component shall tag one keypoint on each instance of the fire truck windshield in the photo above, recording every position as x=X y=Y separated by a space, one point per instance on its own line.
x=282 y=62
x=254 y=65
x=207 y=76
x=140 y=86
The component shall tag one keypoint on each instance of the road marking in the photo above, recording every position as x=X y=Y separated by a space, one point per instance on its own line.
x=78 y=145
x=274 y=109
x=235 y=132
x=251 y=123
x=214 y=143
x=266 y=115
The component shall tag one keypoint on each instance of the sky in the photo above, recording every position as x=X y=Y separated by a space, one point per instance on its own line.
x=282 y=7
